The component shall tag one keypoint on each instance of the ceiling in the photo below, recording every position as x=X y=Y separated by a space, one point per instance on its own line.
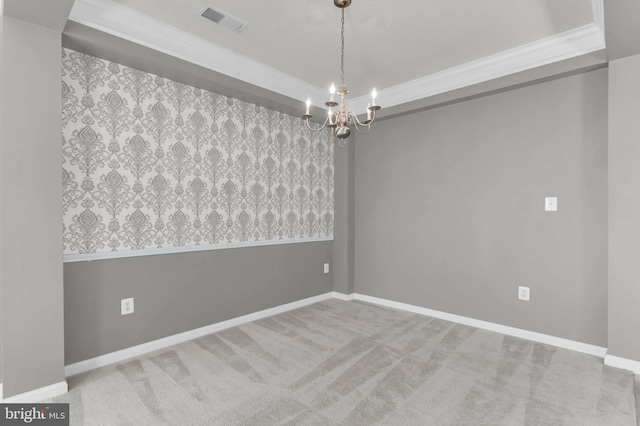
x=386 y=44
x=408 y=50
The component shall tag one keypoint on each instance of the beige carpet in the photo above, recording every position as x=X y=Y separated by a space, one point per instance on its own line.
x=351 y=363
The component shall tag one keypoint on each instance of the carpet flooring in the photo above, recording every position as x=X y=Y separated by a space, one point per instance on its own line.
x=351 y=363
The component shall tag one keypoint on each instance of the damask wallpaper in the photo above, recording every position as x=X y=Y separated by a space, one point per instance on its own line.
x=151 y=163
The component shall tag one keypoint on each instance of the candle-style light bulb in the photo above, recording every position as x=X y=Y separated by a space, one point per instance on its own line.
x=374 y=95
x=368 y=112
x=332 y=91
x=308 y=105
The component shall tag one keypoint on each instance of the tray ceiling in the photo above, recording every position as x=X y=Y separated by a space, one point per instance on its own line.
x=408 y=49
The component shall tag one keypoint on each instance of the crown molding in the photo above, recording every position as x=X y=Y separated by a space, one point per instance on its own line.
x=569 y=44
x=121 y=21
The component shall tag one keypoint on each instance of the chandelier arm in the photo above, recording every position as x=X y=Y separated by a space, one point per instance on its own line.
x=358 y=123
x=319 y=127
x=363 y=132
x=363 y=129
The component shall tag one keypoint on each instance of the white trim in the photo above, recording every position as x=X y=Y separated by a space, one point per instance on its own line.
x=124 y=354
x=342 y=296
x=624 y=363
x=510 y=331
x=129 y=24
x=88 y=257
x=597 y=7
x=38 y=395
x=569 y=44
x=113 y=357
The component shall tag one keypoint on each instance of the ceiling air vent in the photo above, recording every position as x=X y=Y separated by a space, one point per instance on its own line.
x=224 y=19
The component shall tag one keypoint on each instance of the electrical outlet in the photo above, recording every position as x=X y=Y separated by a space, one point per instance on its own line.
x=126 y=306
x=524 y=293
x=326 y=268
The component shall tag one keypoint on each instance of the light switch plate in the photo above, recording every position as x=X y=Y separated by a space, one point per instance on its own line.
x=551 y=204
x=326 y=268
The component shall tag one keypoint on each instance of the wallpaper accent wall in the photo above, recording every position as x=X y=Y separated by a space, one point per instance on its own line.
x=152 y=163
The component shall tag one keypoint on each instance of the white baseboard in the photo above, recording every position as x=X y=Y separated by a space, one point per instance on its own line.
x=342 y=296
x=38 y=395
x=114 y=357
x=624 y=363
x=144 y=348
x=510 y=331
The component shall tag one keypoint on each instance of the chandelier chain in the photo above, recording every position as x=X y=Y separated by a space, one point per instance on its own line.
x=342 y=50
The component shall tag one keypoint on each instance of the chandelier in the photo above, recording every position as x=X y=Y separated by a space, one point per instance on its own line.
x=340 y=121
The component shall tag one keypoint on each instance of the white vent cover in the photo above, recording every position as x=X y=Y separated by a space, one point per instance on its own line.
x=224 y=19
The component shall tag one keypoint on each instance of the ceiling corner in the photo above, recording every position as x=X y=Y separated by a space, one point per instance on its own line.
x=46 y=13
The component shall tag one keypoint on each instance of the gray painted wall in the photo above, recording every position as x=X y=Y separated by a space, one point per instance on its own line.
x=622 y=28
x=343 y=226
x=32 y=292
x=179 y=292
x=624 y=205
x=449 y=208
x=1 y=205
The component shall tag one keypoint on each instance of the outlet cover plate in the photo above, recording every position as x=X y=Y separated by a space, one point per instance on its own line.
x=126 y=306
x=524 y=293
